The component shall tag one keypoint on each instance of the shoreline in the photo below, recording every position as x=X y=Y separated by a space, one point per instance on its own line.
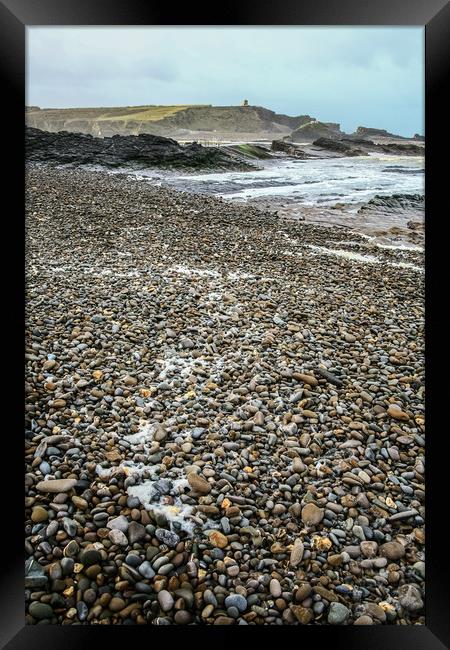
x=233 y=402
x=397 y=225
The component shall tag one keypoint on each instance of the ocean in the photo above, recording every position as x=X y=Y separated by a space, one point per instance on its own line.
x=314 y=182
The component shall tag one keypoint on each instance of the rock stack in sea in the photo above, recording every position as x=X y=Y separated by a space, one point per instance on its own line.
x=223 y=425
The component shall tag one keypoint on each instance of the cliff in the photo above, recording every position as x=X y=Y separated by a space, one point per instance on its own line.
x=180 y=122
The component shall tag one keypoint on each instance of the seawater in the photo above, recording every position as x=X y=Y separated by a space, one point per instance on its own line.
x=316 y=181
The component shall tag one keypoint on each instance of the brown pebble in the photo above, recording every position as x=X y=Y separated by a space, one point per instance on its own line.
x=326 y=593
x=302 y=592
x=116 y=604
x=312 y=514
x=335 y=560
x=39 y=514
x=218 y=539
x=306 y=379
x=57 y=485
x=392 y=550
x=302 y=614
x=198 y=483
x=93 y=571
x=224 y=620
x=363 y=620
x=396 y=413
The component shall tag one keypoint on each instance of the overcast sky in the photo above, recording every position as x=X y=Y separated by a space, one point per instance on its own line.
x=356 y=76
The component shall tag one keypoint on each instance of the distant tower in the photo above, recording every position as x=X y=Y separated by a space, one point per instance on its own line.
x=245 y=102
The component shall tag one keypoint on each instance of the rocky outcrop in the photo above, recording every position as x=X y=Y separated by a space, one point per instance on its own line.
x=368 y=132
x=395 y=203
x=334 y=126
x=315 y=129
x=139 y=151
x=400 y=209
x=419 y=137
x=339 y=147
x=350 y=146
x=396 y=215
x=400 y=149
x=281 y=146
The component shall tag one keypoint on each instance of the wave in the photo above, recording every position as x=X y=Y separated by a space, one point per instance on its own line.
x=313 y=182
x=403 y=170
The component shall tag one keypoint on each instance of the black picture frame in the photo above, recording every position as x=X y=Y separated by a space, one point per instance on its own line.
x=434 y=15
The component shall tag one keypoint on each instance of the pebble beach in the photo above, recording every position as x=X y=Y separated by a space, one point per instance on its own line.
x=224 y=420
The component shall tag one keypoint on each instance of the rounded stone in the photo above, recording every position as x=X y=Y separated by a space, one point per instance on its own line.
x=369 y=549
x=392 y=550
x=218 y=539
x=118 y=523
x=167 y=537
x=90 y=556
x=275 y=588
x=117 y=537
x=198 y=483
x=146 y=570
x=302 y=592
x=297 y=551
x=116 y=604
x=39 y=514
x=165 y=600
x=236 y=600
x=40 y=610
x=57 y=485
x=312 y=514
x=182 y=617
x=303 y=614
x=337 y=613
x=363 y=620
x=410 y=598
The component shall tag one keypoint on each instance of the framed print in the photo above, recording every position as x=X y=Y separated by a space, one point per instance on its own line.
x=229 y=308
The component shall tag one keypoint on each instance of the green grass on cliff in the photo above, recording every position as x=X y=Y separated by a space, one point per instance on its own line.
x=147 y=114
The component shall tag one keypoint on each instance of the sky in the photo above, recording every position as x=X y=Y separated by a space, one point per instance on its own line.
x=369 y=76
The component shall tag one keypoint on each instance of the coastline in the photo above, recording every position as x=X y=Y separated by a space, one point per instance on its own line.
x=172 y=334
x=392 y=217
